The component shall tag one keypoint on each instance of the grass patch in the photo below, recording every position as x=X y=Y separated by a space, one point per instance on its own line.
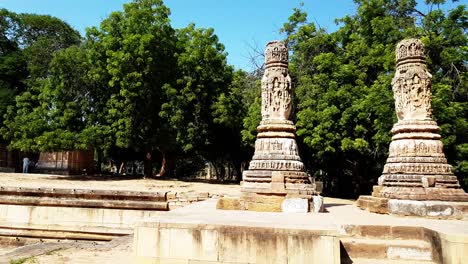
x=23 y=260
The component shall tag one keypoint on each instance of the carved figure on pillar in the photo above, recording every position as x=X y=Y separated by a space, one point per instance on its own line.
x=276 y=169
x=416 y=168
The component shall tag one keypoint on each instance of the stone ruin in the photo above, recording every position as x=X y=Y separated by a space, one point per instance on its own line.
x=416 y=168
x=276 y=179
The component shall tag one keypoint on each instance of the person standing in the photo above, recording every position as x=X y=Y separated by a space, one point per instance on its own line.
x=25 y=164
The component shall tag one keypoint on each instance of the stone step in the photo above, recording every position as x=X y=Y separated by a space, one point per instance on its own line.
x=386 y=249
x=386 y=232
x=85 y=203
x=55 y=234
x=385 y=261
x=84 y=194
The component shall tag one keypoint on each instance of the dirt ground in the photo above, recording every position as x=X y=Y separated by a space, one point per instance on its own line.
x=113 y=183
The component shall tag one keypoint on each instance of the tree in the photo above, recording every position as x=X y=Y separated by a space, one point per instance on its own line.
x=135 y=51
x=345 y=104
x=230 y=111
x=32 y=40
x=13 y=70
x=203 y=75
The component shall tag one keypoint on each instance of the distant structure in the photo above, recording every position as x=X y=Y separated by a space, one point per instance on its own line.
x=416 y=168
x=66 y=162
x=276 y=172
x=9 y=160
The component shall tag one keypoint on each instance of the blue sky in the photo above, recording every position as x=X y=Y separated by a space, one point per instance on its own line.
x=239 y=24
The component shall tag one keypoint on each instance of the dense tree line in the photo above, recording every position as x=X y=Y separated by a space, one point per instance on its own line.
x=137 y=88
x=344 y=102
x=134 y=88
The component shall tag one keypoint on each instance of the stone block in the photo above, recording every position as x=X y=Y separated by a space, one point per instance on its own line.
x=263 y=198
x=373 y=204
x=170 y=196
x=362 y=249
x=306 y=248
x=407 y=232
x=440 y=210
x=374 y=231
x=277 y=181
x=376 y=190
x=318 y=204
x=150 y=236
x=409 y=253
x=263 y=207
x=407 y=207
x=428 y=181
x=295 y=205
x=227 y=203
x=204 y=195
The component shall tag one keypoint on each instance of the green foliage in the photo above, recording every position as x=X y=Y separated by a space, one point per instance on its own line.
x=135 y=85
x=345 y=105
x=251 y=121
x=202 y=76
x=28 y=43
x=135 y=58
x=23 y=260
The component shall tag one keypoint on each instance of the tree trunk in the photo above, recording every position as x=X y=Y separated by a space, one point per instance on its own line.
x=148 y=168
x=122 y=166
x=167 y=164
x=162 y=170
x=99 y=161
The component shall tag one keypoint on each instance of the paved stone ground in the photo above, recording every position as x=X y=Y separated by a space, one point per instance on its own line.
x=339 y=213
x=118 y=251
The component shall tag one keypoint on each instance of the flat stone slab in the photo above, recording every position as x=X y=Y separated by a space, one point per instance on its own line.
x=434 y=209
x=295 y=205
x=339 y=214
x=427 y=209
x=235 y=236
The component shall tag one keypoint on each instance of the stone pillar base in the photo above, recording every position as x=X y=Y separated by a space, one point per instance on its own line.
x=429 y=208
x=420 y=193
x=271 y=202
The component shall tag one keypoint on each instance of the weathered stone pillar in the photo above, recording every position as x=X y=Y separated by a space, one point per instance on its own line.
x=276 y=171
x=416 y=167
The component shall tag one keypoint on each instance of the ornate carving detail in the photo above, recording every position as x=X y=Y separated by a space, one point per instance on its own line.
x=276 y=52
x=416 y=163
x=418 y=168
x=412 y=82
x=276 y=93
x=415 y=148
x=284 y=146
x=276 y=148
x=409 y=48
x=276 y=165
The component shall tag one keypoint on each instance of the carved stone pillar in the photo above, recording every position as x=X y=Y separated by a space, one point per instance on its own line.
x=276 y=171
x=416 y=168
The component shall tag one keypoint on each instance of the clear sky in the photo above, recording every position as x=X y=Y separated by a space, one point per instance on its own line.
x=239 y=24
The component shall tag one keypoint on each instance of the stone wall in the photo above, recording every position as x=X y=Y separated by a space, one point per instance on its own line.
x=202 y=243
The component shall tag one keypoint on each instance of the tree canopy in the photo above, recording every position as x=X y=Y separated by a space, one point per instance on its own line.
x=137 y=88
x=345 y=103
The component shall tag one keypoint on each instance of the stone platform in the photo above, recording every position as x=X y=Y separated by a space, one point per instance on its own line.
x=431 y=209
x=37 y=207
x=343 y=234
